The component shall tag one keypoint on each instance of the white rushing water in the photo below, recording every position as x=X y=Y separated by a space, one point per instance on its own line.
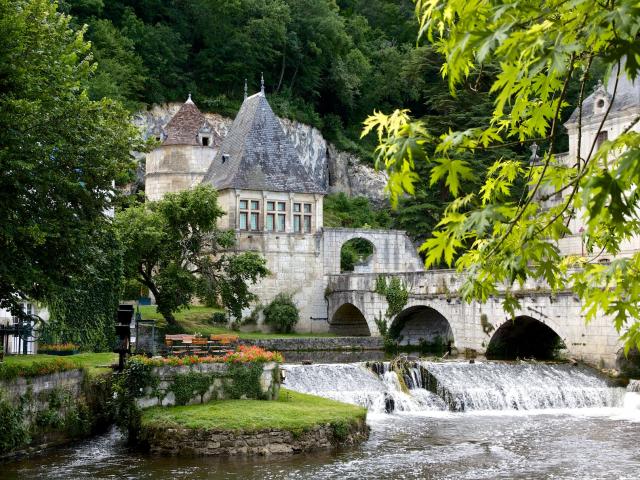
x=459 y=386
x=524 y=386
x=357 y=384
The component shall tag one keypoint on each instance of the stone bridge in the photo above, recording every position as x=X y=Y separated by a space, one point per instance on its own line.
x=434 y=311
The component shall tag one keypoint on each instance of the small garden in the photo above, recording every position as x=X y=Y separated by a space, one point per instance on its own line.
x=292 y=411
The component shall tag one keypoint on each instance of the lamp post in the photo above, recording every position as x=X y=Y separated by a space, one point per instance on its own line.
x=123 y=331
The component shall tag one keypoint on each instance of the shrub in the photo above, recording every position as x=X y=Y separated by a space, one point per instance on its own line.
x=9 y=371
x=219 y=318
x=281 y=314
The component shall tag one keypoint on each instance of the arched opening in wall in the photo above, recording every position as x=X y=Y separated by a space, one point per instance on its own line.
x=356 y=255
x=524 y=337
x=349 y=321
x=422 y=328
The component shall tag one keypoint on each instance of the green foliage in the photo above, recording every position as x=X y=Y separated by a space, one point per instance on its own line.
x=219 y=318
x=354 y=251
x=340 y=210
x=395 y=292
x=61 y=152
x=11 y=370
x=174 y=248
x=130 y=384
x=13 y=430
x=281 y=313
x=244 y=381
x=82 y=311
x=186 y=385
x=499 y=232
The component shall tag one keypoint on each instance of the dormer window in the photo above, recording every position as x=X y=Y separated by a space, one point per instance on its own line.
x=205 y=141
x=225 y=157
x=600 y=103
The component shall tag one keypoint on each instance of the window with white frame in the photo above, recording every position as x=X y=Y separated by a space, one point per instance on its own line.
x=249 y=217
x=270 y=224
x=281 y=218
x=302 y=217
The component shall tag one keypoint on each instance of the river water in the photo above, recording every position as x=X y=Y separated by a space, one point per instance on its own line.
x=484 y=421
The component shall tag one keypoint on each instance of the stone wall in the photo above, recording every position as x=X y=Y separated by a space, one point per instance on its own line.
x=39 y=387
x=200 y=442
x=317 y=343
x=51 y=410
x=219 y=372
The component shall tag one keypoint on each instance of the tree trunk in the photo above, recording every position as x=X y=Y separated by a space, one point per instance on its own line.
x=281 y=71
x=168 y=316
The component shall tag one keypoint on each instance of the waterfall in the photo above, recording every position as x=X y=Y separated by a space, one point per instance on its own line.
x=380 y=391
x=456 y=386
x=632 y=397
x=519 y=386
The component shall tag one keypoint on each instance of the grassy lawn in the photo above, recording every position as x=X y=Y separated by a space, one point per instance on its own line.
x=95 y=363
x=292 y=411
x=198 y=320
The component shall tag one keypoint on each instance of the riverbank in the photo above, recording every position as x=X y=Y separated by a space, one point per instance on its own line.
x=294 y=423
x=48 y=400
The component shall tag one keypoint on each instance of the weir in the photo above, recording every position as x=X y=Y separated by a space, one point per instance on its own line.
x=456 y=386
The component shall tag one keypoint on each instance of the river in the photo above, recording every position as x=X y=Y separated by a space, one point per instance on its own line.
x=487 y=421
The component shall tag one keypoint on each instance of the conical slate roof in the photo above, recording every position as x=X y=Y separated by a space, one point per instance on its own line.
x=186 y=124
x=256 y=154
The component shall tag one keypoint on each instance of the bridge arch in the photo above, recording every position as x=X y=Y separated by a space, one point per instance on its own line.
x=524 y=337
x=348 y=320
x=424 y=326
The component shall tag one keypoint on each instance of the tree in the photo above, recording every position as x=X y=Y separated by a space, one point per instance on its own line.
x=60 y=153
x=502 y=233
x=174 y=248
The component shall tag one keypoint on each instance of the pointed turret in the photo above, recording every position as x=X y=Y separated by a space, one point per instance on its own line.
x=257 y=154
x=188 y=127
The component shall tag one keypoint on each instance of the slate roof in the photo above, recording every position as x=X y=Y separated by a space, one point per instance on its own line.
x=256 y=154
x=627 y=98
x=184 y=126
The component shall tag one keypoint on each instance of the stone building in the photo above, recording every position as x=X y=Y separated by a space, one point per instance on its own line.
x=272 y=200
x=604 y=117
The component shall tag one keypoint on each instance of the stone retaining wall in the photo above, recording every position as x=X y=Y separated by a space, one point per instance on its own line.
x=70 y=380
x=51 y=410
x=162 y=394
x=196 y=442
x=317 y=343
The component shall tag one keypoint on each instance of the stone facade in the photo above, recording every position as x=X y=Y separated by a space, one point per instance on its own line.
x=200 y=442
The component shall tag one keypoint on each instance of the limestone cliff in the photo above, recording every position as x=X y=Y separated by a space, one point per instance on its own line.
x=335 y=170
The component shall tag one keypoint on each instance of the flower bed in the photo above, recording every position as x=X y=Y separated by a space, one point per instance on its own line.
x=58 y=349
x=10 y=371
x=244 y=354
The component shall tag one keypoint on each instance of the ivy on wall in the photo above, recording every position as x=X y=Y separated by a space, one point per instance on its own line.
x=395 y=292
x=25 y=421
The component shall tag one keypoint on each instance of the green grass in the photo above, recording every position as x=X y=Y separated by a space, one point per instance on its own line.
x=293 y=411
x=95 y=363
x=198 y=320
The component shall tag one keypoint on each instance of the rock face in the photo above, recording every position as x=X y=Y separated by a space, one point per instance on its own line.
x=200 y=442
x=629 y=365
x=334 y=170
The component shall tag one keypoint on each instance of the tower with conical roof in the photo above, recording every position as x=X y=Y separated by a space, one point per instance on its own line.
x=189 y=144
x=260 y=178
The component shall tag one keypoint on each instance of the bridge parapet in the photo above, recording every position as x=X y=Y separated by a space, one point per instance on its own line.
x=445 y=282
